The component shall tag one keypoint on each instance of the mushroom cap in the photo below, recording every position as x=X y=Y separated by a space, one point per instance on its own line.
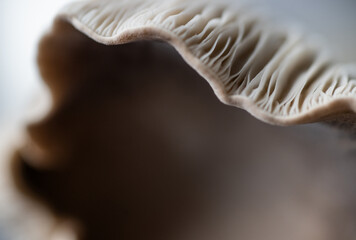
x=278 y=75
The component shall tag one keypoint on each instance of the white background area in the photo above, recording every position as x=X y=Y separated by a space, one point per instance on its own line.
x=23 y=22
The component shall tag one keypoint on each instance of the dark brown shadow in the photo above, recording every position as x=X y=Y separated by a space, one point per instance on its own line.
x=129 y=131
x=137 y=146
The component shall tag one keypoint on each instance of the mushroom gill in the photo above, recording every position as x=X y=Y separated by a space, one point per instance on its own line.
x=136 y=145
x=277 y=75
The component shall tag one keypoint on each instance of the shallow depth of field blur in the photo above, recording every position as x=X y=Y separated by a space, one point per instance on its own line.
x=300 y=198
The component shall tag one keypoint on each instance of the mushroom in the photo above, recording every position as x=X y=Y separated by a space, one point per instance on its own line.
x=136 y=144
x=277 y=76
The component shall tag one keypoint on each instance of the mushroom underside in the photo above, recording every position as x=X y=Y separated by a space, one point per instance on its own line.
x=278 y=75
x=136 y=145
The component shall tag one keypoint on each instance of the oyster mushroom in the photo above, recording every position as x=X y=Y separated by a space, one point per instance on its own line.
x=132 y=151
x=277 y=76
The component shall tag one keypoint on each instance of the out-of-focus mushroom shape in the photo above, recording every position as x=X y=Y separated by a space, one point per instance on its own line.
x=135 y=145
